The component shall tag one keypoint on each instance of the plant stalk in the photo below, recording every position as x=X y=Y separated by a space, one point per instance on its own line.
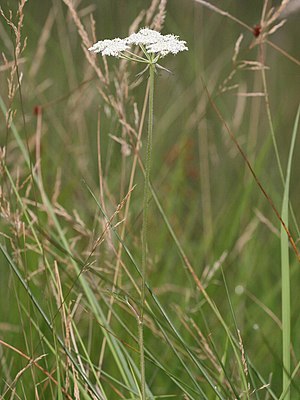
x=145 y=227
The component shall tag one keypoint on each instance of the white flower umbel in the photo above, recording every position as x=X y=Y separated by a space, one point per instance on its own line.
x=108 y=47
x=154 y=46
x=166 y=45
x=144 y=36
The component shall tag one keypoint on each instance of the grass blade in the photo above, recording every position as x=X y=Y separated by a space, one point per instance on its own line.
x=285 y=275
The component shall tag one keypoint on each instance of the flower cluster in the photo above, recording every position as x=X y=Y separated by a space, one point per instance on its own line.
x=109 y=47
x=151 y=42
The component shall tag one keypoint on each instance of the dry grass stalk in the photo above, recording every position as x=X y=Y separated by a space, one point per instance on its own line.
x=292 y=7
x=15 y=78
x=242 y=349
x=159 y=19
x=275 y=13
x=86 y=42
x=222 y=12
x=151 y=12
x=7 y=65
x=108 y=224
x=210 y=271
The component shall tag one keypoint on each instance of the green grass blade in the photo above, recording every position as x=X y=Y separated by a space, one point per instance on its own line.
x=285 y=274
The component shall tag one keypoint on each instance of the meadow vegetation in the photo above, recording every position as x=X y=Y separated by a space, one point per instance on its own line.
x=213 y=281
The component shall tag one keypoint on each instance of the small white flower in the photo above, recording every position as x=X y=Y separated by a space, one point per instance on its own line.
x=144 y=36
x=166 y=45
x=110 y=47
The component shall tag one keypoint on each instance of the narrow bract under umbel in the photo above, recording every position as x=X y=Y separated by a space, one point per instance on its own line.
x=148 y=39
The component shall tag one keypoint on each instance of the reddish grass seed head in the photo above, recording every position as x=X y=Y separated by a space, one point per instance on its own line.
x=37 y=110
x=256 y=30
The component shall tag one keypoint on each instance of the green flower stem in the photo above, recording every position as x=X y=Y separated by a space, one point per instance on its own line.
x=144 y=228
